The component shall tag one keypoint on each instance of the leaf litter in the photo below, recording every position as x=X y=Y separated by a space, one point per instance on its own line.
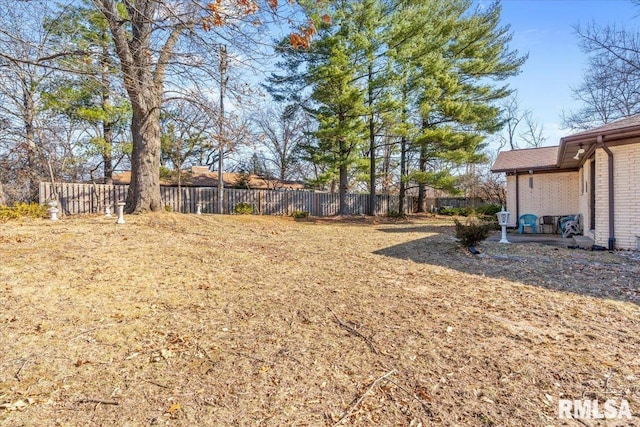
x=244 y=320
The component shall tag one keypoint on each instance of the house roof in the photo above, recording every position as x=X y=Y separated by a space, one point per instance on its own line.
x=573 y=149
x=529 y=158
x=199 y=178
x=628 y=123
x=624 y=131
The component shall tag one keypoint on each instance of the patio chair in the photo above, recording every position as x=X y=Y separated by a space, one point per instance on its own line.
x=562 y=222
x=547 y=220
x=527 y=220
x=573 y=226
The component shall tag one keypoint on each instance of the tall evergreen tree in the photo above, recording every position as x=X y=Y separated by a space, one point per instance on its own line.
x=455 y=73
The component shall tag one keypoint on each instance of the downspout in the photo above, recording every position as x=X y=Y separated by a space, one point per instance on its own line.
x=612 y=239
x=517 y=198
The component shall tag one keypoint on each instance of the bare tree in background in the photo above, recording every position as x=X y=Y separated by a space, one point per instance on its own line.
x=512 y=115
x=21 y=83
x=281 y=132
x=185 y=128
x=610 y=89
x=533 y=133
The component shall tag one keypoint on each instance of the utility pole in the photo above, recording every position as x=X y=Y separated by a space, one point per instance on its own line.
x=223 y=87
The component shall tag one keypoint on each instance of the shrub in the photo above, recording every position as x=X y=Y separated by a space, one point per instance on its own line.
x=396 y=214
x=448 y=210
x=23 y=210
x=488 y=210
x=490 y=220
x=451 y=211
x=473 y=232
x=300 y=214
x=243 y=209
x=464 y=211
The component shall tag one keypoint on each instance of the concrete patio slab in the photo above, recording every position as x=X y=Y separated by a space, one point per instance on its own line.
x=543 y=239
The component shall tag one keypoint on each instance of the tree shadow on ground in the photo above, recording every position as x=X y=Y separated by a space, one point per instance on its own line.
x=598 y=274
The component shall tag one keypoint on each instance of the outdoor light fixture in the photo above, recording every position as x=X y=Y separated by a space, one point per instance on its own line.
x=503 y=220
x=579 y=153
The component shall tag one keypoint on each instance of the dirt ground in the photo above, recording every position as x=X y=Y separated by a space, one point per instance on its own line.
x=184 y=320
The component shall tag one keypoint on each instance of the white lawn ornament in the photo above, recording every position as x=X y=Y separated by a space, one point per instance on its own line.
x=53 y=209
x=120 y=219
x=503 y=220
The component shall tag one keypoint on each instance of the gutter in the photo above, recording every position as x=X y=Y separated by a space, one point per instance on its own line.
x=517 y=198
x=612 y=239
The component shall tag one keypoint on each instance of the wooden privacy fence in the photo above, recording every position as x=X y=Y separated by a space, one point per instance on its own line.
x=93 y=198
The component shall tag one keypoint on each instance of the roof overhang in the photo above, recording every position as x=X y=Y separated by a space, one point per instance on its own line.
x=569 y=145
x=574 y=150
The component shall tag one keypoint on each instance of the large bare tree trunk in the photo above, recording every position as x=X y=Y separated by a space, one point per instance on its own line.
x=144 y=190
x=144 y=80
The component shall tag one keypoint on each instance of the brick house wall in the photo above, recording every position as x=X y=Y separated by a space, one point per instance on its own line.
x=546 y=194
x=626 y=163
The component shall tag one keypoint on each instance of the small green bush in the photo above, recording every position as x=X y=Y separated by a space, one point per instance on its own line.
x=168 y=208
x=395 y=214
x=451 y=211
x=473 y=232
x=243 y=209
x=491 y=220
x=300 y=214
x=448 y=211
x=23 y=210
x=488 y=210
x=465 y=211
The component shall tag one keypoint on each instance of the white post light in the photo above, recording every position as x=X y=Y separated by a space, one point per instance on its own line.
x=107 y=211
x=120 y=210
x=503 y=220
x=199 y=209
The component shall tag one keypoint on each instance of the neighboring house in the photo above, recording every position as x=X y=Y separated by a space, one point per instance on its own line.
x=595 y=173
x=200 y=176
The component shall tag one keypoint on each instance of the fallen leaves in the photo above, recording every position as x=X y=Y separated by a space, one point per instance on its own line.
x=18 y=405
x=246 y=337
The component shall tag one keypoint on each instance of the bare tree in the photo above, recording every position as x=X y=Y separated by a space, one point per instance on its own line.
x=155 y=38
x=281 y=131
x=185 y=130
x=512 y=115
x=610 y=89
x=21 y=85
x=533 y=133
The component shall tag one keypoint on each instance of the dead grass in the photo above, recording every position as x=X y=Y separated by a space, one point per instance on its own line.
x=204 y=320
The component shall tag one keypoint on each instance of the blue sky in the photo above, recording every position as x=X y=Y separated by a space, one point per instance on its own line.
x=544 y=29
